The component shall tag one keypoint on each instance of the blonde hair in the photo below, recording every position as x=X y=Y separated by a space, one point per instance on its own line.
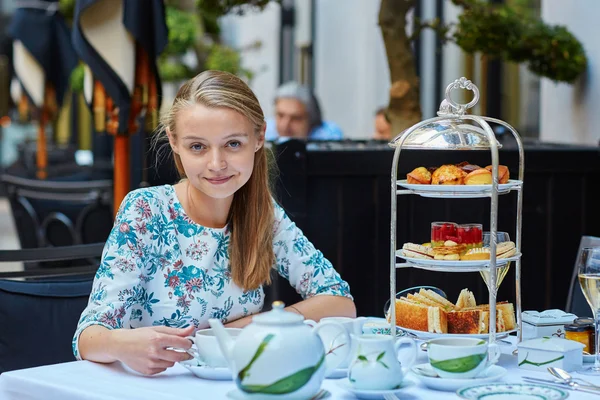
x=250 y=219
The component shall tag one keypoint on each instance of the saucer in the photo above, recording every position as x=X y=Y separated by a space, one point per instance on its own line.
x=423 y=372
x=517 y=390
x=237 y=394
x=338 y=373
x=206 y=372
x=372 y=394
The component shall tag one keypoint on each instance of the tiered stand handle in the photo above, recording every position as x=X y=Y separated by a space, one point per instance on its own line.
x=449 y=109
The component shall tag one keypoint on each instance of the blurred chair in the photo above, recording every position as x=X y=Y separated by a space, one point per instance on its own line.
x=576 y=302
x=38 y=317
x=59 y=213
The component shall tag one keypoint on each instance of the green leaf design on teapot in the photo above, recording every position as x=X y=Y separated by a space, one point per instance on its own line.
x=284 y=385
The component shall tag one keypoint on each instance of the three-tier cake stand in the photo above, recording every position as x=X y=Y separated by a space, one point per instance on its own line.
x=454 y=129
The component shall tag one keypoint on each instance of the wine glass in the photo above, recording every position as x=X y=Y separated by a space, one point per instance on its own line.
x=588 y=271
x=501 y=271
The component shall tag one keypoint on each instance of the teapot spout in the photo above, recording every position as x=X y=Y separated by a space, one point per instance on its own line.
x=224 y=339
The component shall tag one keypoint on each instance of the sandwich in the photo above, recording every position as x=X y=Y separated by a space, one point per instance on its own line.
x=414 y=250
x=504 y=309
x=419 y=316
x=466 y=299
x=470 y=321
x=436 y=299
x=423 y=312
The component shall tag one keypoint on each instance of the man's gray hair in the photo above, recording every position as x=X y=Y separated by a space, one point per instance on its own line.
x=302 y=93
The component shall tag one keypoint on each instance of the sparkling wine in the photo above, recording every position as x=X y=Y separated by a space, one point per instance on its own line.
x=590 y=286
x=501 y=273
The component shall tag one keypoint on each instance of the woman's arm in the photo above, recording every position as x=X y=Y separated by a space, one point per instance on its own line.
x=142 y=349
x=314 y=308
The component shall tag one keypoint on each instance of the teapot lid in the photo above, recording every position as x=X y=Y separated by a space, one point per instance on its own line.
x=278 y=316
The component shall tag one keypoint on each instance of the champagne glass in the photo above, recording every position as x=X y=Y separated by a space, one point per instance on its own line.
x=501 y=271
x=588 y=270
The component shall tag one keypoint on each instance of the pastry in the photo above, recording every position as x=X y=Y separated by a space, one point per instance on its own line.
x=478 y=253
x=414 y=250
x=505 y=249
x=448 y=175
x=465 y=166
x=503 y=174
x=419 y=176
x=479 y=176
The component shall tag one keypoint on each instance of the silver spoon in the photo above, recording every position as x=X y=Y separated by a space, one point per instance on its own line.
x=565 y=376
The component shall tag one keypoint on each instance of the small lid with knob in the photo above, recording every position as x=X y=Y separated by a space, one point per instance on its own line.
x=278 y=316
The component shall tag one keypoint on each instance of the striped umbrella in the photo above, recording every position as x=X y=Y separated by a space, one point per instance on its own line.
x=43 y=59
x=119 y=41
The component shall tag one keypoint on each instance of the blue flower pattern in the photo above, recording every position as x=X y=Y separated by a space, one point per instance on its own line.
x=160 y=268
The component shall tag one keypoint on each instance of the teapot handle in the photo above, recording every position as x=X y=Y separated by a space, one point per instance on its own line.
x=413 y=353
x=343 y=351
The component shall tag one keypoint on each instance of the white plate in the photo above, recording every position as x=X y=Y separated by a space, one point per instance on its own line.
x=523 y=391
x=459 y=190
x=206 y=372
x=372 y=394
x=428 y=335
x=455 y=265
x=494 y=373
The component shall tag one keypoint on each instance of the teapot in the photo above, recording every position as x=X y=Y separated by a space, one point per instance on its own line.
x=280 y=355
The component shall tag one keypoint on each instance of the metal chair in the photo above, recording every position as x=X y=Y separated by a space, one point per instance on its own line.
x=39 y=311
x=59 y=213
x=576 y=302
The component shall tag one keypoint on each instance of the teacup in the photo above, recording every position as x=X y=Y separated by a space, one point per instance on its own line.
x=461 y=358
x=207 y=349
x=379 y=326
x=375 y=364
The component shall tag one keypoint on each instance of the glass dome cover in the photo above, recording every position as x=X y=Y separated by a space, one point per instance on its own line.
x=452 y=130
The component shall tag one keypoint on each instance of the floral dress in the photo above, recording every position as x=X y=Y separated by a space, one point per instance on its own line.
x=161 y=268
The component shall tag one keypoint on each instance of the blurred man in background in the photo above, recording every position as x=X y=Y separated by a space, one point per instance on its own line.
x=298 y=115
x=383 y=128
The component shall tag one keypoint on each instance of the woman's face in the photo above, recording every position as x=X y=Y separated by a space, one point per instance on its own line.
x=217 y=148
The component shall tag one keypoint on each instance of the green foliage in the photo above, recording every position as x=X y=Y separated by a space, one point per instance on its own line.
x=183 y=30
x=76 y=79
x=224 y=58
x=171 y=71
x=507 y=32
x=67 y=8
x=222 y=7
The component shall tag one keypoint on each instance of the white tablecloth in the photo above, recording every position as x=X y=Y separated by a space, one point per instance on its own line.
x=83 y=380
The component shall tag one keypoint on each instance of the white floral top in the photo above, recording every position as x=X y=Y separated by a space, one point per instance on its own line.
x=161 y=268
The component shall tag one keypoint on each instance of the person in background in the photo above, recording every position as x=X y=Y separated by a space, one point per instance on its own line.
x=204 y=247
x=298 y=115
x=383 y=128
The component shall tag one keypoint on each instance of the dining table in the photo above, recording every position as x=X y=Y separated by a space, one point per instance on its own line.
x=85 y=380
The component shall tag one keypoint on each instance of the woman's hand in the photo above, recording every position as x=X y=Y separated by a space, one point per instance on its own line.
x=145 y=349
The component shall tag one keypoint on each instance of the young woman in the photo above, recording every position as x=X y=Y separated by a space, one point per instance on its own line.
x=203 y=248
